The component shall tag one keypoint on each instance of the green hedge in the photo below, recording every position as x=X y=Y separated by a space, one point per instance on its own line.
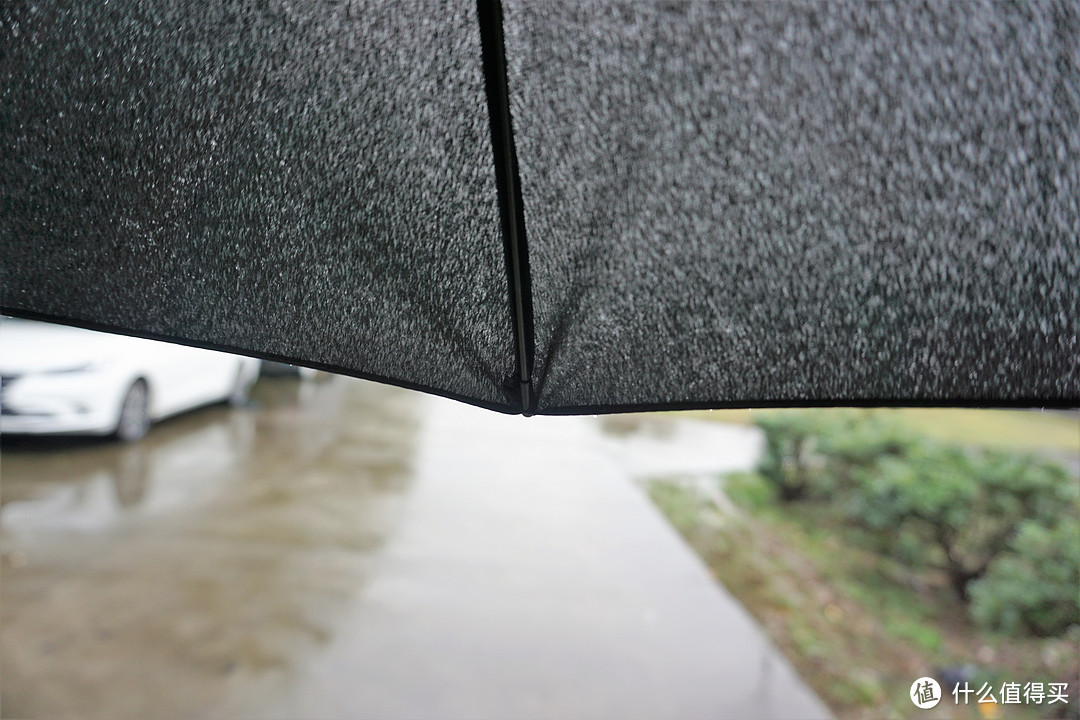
x=1004 y=527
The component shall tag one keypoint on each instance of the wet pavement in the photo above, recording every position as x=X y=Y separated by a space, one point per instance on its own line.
x=344 y=549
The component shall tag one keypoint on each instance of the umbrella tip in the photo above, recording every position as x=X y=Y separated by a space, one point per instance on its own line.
x=526 y=398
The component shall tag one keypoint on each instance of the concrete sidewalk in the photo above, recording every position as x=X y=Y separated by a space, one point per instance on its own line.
x=531 y=578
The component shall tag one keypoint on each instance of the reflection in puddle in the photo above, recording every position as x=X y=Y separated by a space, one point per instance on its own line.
x=161 y=579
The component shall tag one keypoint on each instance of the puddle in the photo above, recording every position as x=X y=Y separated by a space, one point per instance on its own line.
x=157 y=580
x=230 y=552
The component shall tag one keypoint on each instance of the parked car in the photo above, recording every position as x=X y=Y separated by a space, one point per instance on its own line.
x=56 y=379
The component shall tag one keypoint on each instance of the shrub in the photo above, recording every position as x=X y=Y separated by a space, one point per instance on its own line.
x=963 y=507
x=792 y=460
x=1035 y=586
x=816 y=453
x=857 y=440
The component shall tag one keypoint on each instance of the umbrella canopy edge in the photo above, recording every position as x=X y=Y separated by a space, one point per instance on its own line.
x=219 y=347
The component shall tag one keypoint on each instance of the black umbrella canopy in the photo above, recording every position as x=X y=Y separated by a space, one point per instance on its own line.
x=562 y=207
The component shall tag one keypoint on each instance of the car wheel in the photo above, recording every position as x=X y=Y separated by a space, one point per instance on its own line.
x=241 y=386
x=134 y=419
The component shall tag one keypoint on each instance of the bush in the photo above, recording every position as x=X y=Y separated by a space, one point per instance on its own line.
x=792 y=460
x=1036 y=585
x=963 y=507
x=1003 y=527
x=816 y=453
x=857 y=440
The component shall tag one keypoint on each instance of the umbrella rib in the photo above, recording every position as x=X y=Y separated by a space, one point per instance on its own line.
x=489 y=13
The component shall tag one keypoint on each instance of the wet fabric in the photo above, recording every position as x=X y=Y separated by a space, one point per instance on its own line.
x=724 y=204
x=310 y=181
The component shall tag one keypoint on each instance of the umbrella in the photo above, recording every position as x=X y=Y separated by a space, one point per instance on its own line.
x=561 y=207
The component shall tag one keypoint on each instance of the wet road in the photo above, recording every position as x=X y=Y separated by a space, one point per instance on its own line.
x=343 y=549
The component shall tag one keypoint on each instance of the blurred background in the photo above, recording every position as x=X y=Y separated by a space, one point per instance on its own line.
x=185 y=533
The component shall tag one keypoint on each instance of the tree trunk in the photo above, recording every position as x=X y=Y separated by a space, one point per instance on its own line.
x=960 y=578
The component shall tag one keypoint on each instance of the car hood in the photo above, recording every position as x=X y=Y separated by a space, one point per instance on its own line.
x=32 y=347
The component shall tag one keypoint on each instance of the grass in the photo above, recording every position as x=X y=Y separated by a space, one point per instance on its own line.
x=858 y=626
x=1011 y=429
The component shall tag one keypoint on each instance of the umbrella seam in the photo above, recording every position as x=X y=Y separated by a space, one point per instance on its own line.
x=508 y=182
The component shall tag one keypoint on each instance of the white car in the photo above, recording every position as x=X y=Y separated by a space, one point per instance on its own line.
x=56 y=379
